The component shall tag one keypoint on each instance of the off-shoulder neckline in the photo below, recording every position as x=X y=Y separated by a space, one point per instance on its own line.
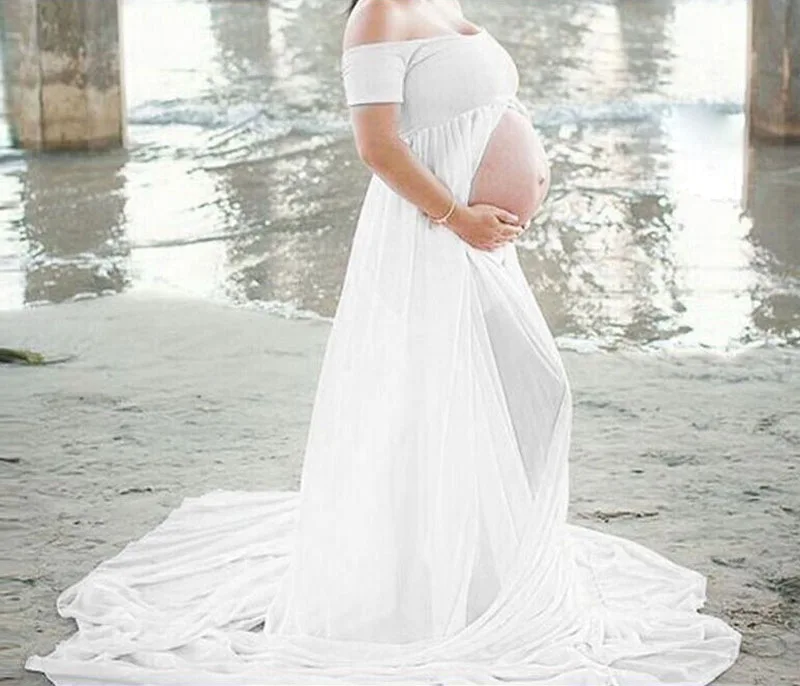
x=412 y=41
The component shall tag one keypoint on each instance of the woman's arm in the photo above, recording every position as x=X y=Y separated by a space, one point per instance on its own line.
x=382 y=150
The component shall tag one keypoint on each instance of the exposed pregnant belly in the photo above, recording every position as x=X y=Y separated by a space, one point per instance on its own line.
x=513 y=172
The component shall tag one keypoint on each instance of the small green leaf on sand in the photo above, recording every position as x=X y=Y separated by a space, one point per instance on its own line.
x=14 y=356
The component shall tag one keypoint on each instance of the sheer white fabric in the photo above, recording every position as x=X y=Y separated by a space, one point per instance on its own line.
x=429 y=541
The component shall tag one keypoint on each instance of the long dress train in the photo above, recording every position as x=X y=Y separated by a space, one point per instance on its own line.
x=428 y=543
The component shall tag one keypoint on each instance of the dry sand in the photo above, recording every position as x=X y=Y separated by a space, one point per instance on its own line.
x=692 y=454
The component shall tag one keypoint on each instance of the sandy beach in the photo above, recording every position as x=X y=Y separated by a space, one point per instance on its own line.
x=692 y=454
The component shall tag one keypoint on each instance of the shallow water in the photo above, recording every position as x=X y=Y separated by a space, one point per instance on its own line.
x=240 y=181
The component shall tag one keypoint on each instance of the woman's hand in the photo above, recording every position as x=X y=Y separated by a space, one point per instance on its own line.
x=484 y=226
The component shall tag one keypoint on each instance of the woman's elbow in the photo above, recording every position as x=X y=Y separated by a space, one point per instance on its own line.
x=377 y=154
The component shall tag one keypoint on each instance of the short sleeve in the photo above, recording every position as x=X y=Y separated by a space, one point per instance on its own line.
x=374 y=72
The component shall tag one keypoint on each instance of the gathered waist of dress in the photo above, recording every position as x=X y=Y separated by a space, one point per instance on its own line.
x=508 y=100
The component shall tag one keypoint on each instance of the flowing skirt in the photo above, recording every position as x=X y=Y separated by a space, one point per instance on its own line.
x=429 y=541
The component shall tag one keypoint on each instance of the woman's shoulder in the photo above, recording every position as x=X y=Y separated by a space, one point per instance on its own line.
x=375 y=21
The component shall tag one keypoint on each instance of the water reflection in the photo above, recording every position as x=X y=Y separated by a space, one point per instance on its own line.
x=280 y=208
x=709 y=245
x=72 y=227
x=772 y=201
x=644 y=33
x=600 y=257
x=242 y=183
x=173 y=223
x=244 y=38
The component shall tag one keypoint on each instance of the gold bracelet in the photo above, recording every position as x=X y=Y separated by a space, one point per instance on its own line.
x=443 y=219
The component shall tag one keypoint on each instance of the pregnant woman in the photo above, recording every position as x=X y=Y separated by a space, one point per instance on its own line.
x=428 y=543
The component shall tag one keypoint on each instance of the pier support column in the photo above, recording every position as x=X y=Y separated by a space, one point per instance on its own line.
x=62 y=73
x=773 y=90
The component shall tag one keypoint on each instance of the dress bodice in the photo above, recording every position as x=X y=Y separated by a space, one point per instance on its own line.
x=433 y=78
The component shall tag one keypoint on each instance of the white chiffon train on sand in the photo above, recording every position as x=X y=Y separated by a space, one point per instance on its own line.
x=429 y=542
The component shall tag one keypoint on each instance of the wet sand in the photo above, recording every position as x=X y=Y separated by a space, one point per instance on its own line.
x=693 y=454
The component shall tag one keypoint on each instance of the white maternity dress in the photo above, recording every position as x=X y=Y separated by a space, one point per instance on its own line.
x=428 y=543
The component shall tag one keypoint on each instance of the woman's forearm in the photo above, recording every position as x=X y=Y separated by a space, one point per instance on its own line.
x=403 y=171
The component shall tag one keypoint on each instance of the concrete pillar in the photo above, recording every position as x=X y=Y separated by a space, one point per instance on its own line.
x=773 y=91
x=62 y=73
